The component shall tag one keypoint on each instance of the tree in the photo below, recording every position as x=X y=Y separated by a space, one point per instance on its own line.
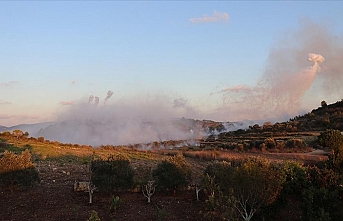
x=115 y=172
x=254 y=183
x=18 y=134
x=17 y=170
x=323 y=104
x=149 y=189
x=172 y=174
x=334 y=140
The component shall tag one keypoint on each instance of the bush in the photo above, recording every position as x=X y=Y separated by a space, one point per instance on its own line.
x=334 y=140
x=321 y=204
x=113 y=173
x=220 y=171
x=295 y=143
x=172 y=174
x=17 y=170
x=296 y=177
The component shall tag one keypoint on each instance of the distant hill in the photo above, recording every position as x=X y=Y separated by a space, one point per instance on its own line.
x=32 y=129
x=325 y=117
x=3 y=128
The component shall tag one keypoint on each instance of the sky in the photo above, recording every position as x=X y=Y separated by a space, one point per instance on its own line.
x=215 y=60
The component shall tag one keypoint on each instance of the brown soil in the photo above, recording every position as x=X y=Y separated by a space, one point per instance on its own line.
x=53 y=199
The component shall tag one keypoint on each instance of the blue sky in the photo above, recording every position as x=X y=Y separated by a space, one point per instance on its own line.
x=55 y=54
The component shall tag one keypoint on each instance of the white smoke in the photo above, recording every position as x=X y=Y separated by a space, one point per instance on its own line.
x=91 y=98
x=96 y=99
x=109 y=94
x=284 y=88
x=123 y=122
x=315 y=58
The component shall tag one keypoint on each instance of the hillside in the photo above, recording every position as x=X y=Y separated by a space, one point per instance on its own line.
x=299 y=134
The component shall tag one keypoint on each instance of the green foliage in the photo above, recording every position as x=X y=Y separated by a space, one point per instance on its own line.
x=17 y=170
x=323 y=177
x=334 y=140
x=295 y=177
x=220 y=173
x=172 y=174
x=254 y=183
x=168 y=176
x=161 y=213
x=115 y=204
x=94 y=216
x=113 y=173
x=219 y=205
x=331 y=138
x=296 y=180
x=321 y=204
x=295 y=143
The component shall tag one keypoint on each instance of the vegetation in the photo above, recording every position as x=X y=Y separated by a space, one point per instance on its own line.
x=112 y=173
x=17 y=171
x=246 y=186
x=172 y=174
x=236 y=185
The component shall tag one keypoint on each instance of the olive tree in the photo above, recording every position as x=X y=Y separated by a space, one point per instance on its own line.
x=334 y=140
x=253 y=183
x=112 y=173
x=172 y=173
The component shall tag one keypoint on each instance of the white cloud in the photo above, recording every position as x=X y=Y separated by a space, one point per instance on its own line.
x=216 y=17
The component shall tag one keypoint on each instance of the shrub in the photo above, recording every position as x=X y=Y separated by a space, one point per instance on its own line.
x=295 y=143
x=296 y=177
x=321 y=204
x=220 y=171
x=270 y=143
x=172 y=174
x=17 y=170
x=253 y=183
x=334 y=140
x=94 y=216
x=113 y=173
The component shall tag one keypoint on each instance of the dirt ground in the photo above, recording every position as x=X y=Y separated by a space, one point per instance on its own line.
x=53 y=199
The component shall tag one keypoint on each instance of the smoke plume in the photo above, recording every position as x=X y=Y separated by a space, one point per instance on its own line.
x=91 y=98
x=96 y=99
x=109 y=94
x=126 y=121
x=288 y=80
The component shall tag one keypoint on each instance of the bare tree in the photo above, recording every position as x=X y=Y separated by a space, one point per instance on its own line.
x=91 y=187
x=197 y=190
x=149 y=189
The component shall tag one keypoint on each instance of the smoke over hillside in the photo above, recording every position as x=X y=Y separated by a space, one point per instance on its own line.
x=288 y=76
x=308 y=60
x=126 y=122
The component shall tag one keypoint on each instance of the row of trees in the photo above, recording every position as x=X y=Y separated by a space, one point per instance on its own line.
x=234 y=190
x=242 y=189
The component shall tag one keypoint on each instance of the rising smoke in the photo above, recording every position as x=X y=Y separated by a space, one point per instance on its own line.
x=279 y=94
x=109 y=94
x=288 y=80
x=128 y=121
